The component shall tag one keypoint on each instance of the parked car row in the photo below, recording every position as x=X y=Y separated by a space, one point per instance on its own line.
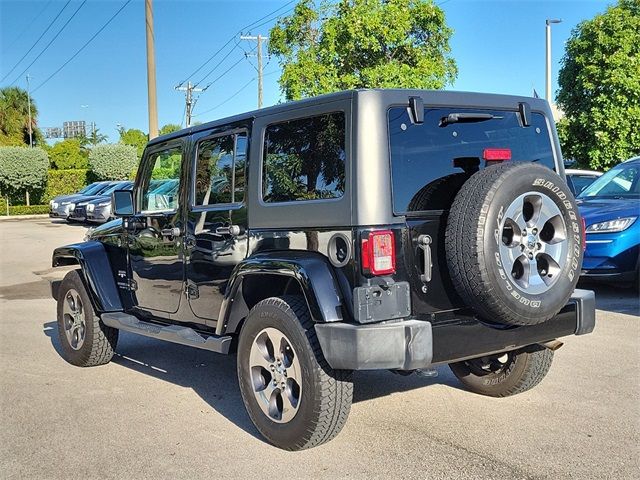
x=92 y=204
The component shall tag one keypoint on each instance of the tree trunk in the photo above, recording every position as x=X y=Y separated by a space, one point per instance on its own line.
x=27 y=197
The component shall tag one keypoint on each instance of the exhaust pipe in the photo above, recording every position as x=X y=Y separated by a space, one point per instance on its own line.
x=552 y=345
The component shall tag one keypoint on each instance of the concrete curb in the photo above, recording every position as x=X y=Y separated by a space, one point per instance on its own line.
x=23 y=217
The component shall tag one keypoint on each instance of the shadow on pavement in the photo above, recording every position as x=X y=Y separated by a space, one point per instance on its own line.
x=213 y=376
x=614 y=298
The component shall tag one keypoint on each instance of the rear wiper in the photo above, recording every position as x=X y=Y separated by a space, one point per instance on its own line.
x=465 y=118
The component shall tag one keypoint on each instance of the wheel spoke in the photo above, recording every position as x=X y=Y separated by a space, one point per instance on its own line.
x=259 y=357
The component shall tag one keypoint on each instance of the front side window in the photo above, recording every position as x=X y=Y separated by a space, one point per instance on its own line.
x=161 y=182
x=220 y=170
x=304 y=159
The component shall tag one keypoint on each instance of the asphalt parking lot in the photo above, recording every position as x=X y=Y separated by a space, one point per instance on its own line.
x=166 y=411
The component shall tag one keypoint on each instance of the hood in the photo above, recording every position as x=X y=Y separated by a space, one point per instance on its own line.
x=114 y=227
x=99 y=199
x=73 y=198
x=602 y=209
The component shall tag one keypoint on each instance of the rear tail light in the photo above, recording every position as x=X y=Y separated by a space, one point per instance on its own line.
x=379 y=253
x=584 y=234
x=496 y=154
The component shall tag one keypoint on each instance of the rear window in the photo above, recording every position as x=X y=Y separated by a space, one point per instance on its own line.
x=431 y=161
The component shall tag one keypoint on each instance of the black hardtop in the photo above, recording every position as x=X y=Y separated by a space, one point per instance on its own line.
x=389 y=96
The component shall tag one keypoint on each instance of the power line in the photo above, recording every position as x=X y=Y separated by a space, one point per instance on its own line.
x=29 y=25
x=83 y=46
x=52 y=40
x=216 y=65
x=228 y=99
x=36 y=42
x=233 y=37
x=224 y=73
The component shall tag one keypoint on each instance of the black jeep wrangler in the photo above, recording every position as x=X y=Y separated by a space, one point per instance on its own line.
x=369 y=229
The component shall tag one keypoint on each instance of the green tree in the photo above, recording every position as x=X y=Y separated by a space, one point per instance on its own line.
x=328 y=46
x=93 y=139
x=135 y=138
x=600 y=88
x=14 y=118
x=68 y=154
x=112 y=161
x=170 y=128
x=22 y=170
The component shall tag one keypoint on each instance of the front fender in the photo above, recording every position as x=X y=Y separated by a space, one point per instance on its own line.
x=96 y=271
x=317 y=278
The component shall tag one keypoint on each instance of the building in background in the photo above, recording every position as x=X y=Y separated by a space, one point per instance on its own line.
x=74 y=129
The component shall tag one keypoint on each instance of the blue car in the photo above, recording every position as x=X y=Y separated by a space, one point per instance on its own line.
x=610 y=207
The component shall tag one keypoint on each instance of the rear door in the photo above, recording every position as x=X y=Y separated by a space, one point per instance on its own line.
x=216 y=237
x=431 y=161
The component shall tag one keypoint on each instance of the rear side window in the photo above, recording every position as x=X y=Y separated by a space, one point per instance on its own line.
x=431 y=161
x=304 y=159
x=220 y=170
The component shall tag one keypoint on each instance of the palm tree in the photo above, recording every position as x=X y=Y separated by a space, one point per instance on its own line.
x=14 y=117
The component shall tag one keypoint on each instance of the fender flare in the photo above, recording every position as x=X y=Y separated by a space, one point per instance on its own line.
x=96 y=273
x=319 y=282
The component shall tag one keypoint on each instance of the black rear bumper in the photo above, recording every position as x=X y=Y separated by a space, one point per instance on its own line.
x=411 y=344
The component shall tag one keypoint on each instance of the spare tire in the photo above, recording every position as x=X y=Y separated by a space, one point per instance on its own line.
x=514 y=243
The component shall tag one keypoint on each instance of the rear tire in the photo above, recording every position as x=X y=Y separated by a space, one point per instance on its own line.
x=504 y=374
x=84 y=339
x=312 y=403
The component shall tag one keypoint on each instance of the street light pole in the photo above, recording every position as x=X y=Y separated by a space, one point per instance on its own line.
x=548 y=72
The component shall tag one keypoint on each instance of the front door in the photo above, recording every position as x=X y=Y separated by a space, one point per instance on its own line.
x=155 y=234
x=217 y=223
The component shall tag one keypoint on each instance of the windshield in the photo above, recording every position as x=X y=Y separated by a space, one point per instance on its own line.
x=620 y=182
x=117 y=186
x=92 y=189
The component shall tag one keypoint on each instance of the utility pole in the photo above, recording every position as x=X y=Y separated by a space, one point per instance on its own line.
x=190 y=101
x=548 y=70
x=29 y=103
x=258 y=39
x=151 y=72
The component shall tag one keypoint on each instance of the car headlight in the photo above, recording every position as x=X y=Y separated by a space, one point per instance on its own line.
x=54 y=205
x=72 y=206
x=90 y=207
x=611 y=226
x=105 y=204
x=65 y=203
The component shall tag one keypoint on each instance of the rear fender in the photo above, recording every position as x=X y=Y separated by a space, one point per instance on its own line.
x=313 y=273
x=96 y=273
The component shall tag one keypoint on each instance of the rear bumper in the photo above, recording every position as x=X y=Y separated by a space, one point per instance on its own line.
x=411 y=344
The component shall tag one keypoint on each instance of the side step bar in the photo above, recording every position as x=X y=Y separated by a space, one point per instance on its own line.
x=170 y=333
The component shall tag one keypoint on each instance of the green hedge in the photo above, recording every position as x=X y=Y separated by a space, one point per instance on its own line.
x=3 y=205
x=112 y=162
x=23 y=169
x=64 y=182
x=24 y=210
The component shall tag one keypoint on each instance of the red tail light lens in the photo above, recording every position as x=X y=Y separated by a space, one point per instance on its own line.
x=499 y=154
x=584 y=234
x=379 y=253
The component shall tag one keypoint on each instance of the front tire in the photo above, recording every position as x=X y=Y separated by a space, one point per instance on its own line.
x=293 y=397
x=85 y=340
x=504 y=374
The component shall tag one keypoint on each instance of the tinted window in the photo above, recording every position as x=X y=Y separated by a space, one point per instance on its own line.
x=580 y=182
x=220 y=176
x=161 y=180
x=304 y=159
x=431 y=161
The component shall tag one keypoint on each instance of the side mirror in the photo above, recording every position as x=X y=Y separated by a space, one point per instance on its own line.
x=122 y=201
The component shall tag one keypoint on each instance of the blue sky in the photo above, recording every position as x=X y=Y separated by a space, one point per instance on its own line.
x=498 y=45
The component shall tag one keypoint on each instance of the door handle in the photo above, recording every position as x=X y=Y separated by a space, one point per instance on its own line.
x=424 y=242
x=233 y=230
x=170 y=232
